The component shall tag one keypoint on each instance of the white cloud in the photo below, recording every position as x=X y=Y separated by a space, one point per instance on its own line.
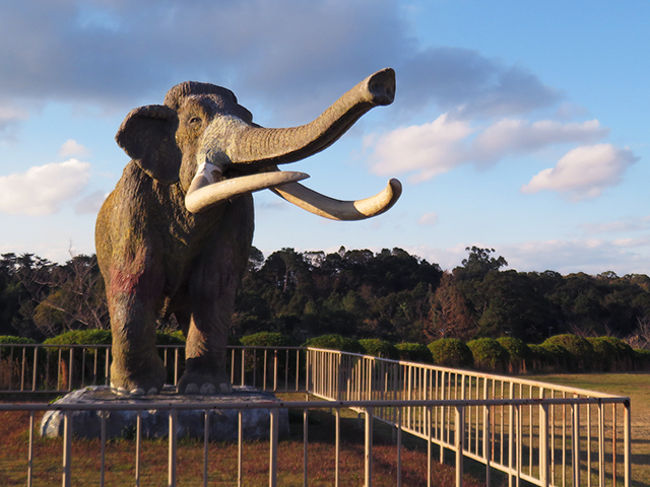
x=433 y=148
x=72 y=148
x=9 y=117
x=428 y=219
x=591 y=256
x=584 y=172
x=437 y=147
x=509 y=136
x=618 y=226
x=42 y=189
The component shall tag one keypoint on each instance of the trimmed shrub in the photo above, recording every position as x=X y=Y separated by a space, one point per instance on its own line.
x=170 y=338
x=81 y=337
x=378 y=348
x=334 y=341
x=541 y=360
x=518 y=354
x=642 y=359
x=15 y=340
x=488 y=354
x=12 y=340
x=413 y=352
x=557 y=357
x=604 y=353
x=59 y=378
x=579 y=349
x=265 y=339
x=255 y=358
x=624 y=354
x=451 y=352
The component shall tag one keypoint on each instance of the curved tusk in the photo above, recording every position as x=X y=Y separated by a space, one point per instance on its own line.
x=334 y=209
x=200 y=198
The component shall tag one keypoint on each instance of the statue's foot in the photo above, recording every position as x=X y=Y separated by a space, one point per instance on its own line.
x=147 y=380
x=196 y=383
x=136 y=391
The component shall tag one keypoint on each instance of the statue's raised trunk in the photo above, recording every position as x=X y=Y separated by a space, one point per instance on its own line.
x=255 y=145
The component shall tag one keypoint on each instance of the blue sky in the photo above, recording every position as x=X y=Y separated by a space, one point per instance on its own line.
x=518 y=126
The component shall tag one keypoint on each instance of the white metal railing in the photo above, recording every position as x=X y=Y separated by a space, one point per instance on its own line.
x=62 y=368
x=533 y=431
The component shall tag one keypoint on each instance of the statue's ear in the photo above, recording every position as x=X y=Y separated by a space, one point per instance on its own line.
x=147 y=135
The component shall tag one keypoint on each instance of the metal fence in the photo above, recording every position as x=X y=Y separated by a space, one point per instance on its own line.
x=531 y=431
x=62 y=368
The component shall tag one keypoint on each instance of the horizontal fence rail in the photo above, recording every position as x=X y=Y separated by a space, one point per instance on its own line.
x=63 y=368
x=533 y=431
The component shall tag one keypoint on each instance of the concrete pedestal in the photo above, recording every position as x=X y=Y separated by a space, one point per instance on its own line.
x=223 y=423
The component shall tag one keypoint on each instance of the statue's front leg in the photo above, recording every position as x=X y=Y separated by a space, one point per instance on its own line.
x=134 y=293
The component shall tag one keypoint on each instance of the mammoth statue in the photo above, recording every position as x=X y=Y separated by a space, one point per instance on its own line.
x=175 y=233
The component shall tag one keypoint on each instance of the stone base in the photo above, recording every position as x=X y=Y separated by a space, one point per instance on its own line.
x=155 y=423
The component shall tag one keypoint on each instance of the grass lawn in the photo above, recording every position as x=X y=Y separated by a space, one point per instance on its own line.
x=637 y=387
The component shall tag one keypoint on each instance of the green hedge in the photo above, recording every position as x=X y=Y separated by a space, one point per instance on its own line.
x=265 y=339
x=451 y=352
x=170 y=338
x=81 y=337
x=580 y=352
x=378 y=348
x=518 y=354
x=413 y=352
x=604 y=354
x=334 y=341
x=13 y=340
x=488 y=354
x=642 y=359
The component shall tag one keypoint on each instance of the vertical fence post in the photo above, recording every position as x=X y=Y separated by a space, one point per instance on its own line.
x=138 y=445
x=305 y=442
x=368 y=449
x=337 y=445
x=275 y=370
x=273 y=449
x=240 y=447
x=601 y=445
x=22 y=369
x=459 y=434
x=35 y=371
x=70 y=368
x=107 y=366
x=30 y=451
x=67 y=439
x=298 y=369
x=543 y=443
x=511 y=431
x=399 y=447
x=627 y=439
x=102 y=429
x=171 y=460
x=575 y=442
x=243 y=366
x=429 y=444
x=486 y=439
x=206 y=439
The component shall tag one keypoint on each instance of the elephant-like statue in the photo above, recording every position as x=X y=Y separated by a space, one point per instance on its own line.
x=175 y=233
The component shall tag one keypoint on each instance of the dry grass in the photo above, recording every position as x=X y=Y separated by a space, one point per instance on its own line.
x=637 y=388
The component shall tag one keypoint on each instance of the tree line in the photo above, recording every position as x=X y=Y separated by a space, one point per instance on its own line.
x=390 y=294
